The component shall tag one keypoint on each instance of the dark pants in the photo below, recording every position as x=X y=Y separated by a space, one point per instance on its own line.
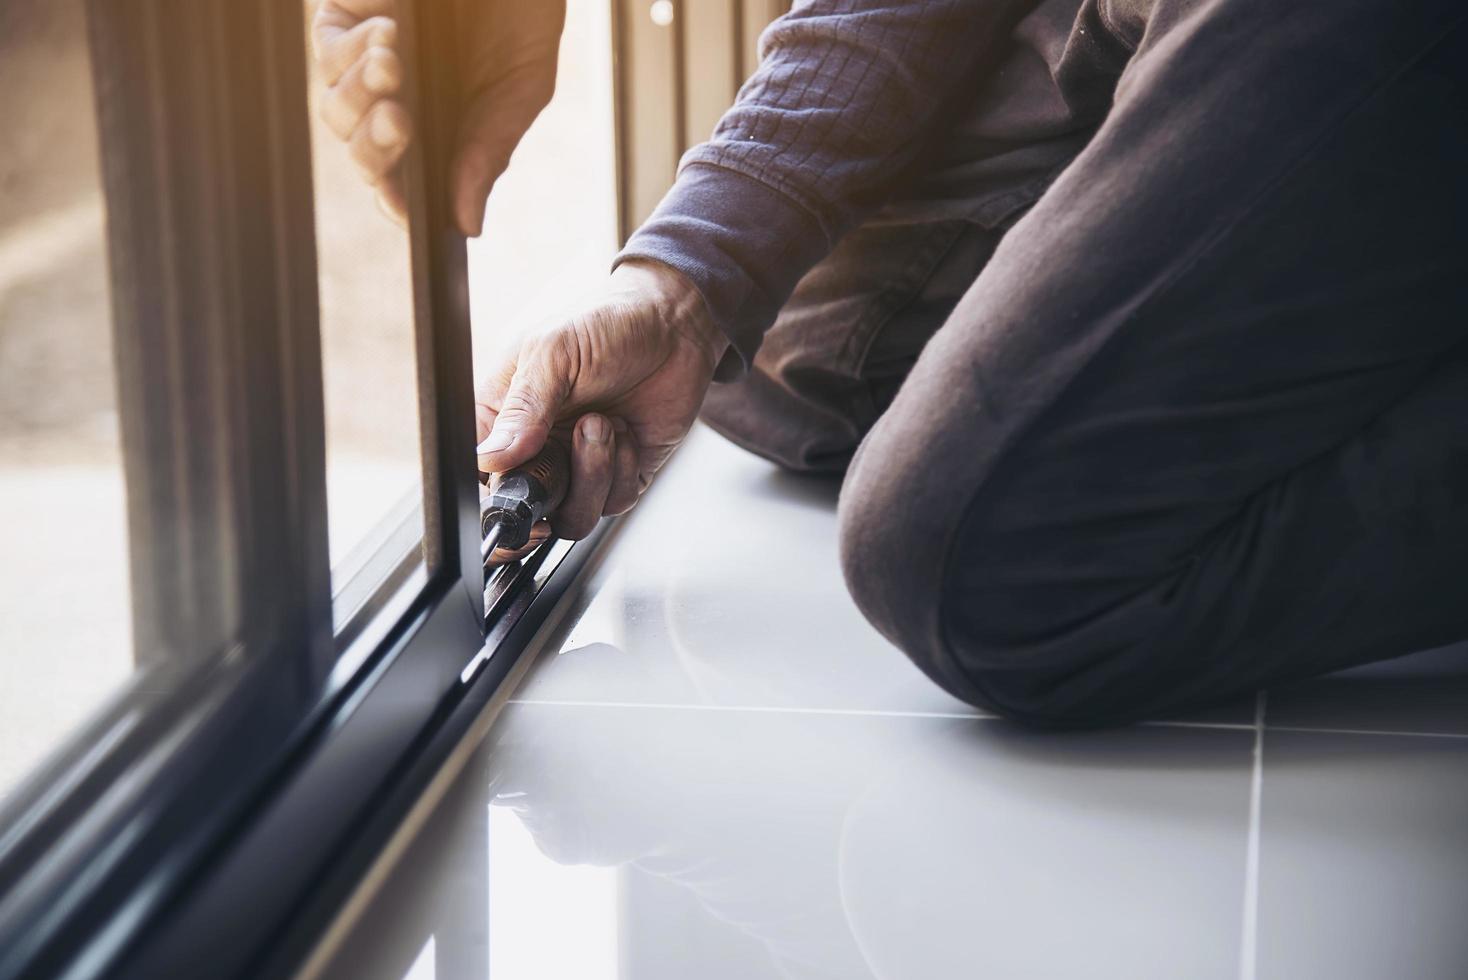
x=1197 y=422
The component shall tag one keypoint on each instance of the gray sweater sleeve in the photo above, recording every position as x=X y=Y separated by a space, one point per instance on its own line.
x=845 y=95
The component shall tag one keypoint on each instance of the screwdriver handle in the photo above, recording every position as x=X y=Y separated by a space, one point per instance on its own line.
x=524 y=495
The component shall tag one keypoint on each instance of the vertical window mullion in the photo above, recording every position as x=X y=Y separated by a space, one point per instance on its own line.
x=207 y=176
x=441 y=302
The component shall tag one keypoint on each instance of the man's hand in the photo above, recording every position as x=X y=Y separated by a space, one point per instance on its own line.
x=507 y=60
x=626 y=375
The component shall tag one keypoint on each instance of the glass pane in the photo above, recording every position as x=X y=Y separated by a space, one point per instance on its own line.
x=374 y=477
x=550 y=229
x=65 y=622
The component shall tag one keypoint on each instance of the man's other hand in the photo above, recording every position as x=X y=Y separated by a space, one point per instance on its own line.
x=626 y=375
x=507 y=59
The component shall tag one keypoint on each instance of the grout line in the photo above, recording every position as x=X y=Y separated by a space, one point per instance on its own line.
x=1249 y=946
x=1365 y=731
x=755 y=709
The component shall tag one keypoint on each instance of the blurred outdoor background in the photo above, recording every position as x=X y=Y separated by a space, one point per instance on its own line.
x=65 y=631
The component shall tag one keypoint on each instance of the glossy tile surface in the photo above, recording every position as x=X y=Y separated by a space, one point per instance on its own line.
x=724 y=589
x=1363 y=868
x=719 y=771
x=742 y=844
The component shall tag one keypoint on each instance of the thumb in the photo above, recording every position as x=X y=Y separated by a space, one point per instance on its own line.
x=477 y=165
x=523 y=420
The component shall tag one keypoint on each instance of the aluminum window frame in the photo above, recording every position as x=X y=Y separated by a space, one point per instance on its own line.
x=243 y=767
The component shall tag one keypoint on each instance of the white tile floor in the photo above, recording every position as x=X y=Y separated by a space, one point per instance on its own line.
x=724 y=773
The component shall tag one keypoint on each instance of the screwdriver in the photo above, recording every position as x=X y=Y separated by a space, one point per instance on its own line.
x=521 y=497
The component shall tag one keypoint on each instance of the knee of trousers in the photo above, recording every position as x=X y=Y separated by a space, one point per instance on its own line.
x=897 y=522
x=900 y=543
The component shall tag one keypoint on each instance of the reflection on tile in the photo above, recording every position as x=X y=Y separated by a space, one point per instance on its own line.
x=1363 y=865
x=1423 y=692
x=724 y=588
x=726 y=774
x=430 y=920
x=723 y=845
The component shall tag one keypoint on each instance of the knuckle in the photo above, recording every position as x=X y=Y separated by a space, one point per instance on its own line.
x=525 y=410
x=484 y=417
x=327 y=112
x=550 y=361
x=338 y=113
x=371 y=160
x=491 y=390
x=388 y=55
x=368 y=159
x=521 y=410
x=382 y=71
x=557 y=347
x=391 y=156
x=380 y=138
x=382 y=30
x=398 y=115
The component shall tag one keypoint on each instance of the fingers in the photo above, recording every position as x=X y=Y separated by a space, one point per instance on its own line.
x=601 y=455
x=483 y=421
x=341 y=34
x=490 y=393
x=543 y=378
x=625 y=484
x=510 y=77
x=377 y=74
x=356 y=49
x=392 y=197
x=604 y=475
x=592 y=449
x=380 y=140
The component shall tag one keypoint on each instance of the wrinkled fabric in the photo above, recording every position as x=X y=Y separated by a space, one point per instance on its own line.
x=850 y=96
x=1192 y=417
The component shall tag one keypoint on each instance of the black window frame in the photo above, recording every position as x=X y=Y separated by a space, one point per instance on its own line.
x=212 y=819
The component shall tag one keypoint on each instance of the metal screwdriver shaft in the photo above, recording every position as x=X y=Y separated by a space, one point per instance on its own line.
x=491 y=541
